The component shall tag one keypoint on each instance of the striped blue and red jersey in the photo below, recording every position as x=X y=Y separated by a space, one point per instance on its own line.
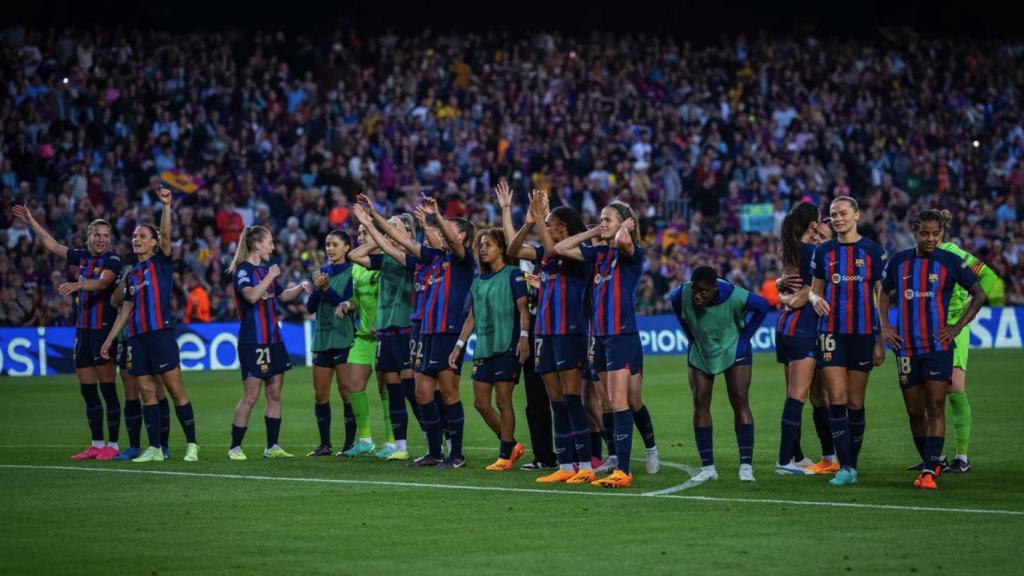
x=444 y=309
x=802 y=322
x=422 y=270
x=563 y=283
x=258 y=322
x=94 y=309
x=148 y=287
x=850 y=272
x=924 y=286
x=616 y=278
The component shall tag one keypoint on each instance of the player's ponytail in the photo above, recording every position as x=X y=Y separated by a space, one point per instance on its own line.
x=794 y=225
x=571 y=218
x=947 y=220
x=246 y=243
x=467 y=228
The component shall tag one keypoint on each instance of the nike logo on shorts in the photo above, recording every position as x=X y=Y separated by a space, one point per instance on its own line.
x=864 y=363
x=560 y=362
x=933 y=373
x=164 y=365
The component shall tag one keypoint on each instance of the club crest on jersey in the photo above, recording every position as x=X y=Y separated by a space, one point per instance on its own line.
x=933 y=278
x=264 y=368
x=827 y=357
x=859 y=262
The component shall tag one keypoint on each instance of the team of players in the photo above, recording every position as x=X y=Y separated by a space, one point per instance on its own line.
x=416 y=303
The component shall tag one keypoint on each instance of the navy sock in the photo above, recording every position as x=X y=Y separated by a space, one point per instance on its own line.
x=595 y=445
x=608 y=420
x=439 y=401
x=705 y=445
x=857 y=424
x=456 y=417
x=151 y=414
x=623 y=438
x=165 y=422
x=798 y=451
x=350 y=427
x=505 y=449
x=935 y=445
x=644 y=425
x=188 y=422
x=409 y=388
x=563 y=432
x=580 y=427
x=133 y=421
x=919 y=444
x=273 y=430
x=323 y=422
x=823 y=431
x=397 y=410
x=237 y=435
x=93 y=411
x=745 y=441
x=791 y=416
x=430 y=419
x=839 y=423
x=109 y=391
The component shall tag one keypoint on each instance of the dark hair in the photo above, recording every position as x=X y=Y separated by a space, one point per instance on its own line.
x=794 y=225
x=498 y=236
x=467 y=227
x=928 y=216
x=571 y=218
x=704 y=275
x=340 y=235
x=153 y=229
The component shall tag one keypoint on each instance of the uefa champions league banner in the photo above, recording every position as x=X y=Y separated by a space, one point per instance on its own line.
x=49 y=351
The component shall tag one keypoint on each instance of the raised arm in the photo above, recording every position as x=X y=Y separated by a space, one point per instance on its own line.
x=456 y=247
x=408 y=244
x=570 y=247
x=379 y=241
x=430 y=234
x=25 y=215
x=515 y=239
x=165 y=196
x=538 y=212
x=623 y=239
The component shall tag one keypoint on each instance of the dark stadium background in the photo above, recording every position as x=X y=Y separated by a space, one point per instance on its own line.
x=698 y=20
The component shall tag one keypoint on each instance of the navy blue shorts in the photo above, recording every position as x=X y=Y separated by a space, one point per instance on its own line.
x=560 y=352
x=793 y=348
x=331 y=358
x=263 y=360
x=916 y=370
x=850 y=351
x=393 y=352
x=588 y=366
x=88 y=343
x=121 y=354
x=152 y=353
x=502 y=367
x=433 y=352
x=617 y=352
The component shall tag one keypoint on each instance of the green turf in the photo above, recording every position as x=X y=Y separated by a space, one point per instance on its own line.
x=55 y=521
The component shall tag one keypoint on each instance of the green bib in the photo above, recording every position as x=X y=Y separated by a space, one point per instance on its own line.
x=331 y=332
x=494 y=311
x=394 y=295
x=716 y=330
x=364 y=292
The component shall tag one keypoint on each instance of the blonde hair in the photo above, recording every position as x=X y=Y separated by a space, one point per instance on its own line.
x=246 y=242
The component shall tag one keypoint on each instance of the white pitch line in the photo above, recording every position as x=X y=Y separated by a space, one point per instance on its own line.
x=437 y=486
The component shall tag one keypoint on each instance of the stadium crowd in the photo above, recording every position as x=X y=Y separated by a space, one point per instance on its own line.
x=259 y=127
